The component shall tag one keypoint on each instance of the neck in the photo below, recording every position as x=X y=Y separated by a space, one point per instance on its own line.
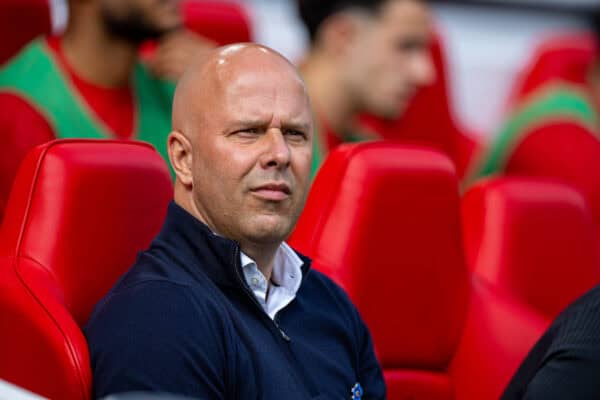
x=94 y=54
x=330 y=101
x=262 y=254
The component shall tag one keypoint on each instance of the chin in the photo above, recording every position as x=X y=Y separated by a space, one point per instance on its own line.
x=269 y=229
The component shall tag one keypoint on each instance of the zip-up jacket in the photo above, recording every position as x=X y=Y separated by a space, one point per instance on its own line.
x=183 y=320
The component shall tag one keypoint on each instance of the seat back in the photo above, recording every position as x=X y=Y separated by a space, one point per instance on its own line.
x=383 y=221
x=78 y=213
x=224 y=22
x=564 y=57
x=532 y=238
x=21 y=21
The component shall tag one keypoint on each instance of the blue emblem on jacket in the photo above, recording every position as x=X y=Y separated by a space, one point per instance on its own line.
x=357 y=392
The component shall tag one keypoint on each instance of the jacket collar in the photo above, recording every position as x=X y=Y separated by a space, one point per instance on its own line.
x=218 y=257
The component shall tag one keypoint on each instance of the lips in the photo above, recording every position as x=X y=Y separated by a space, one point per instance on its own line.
x=273 y=191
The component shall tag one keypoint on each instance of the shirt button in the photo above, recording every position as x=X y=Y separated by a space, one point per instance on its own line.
x=254 y=281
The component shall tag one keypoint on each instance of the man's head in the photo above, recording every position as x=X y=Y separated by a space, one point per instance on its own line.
x=241 y=145
x=139 y=20
x=379 y=47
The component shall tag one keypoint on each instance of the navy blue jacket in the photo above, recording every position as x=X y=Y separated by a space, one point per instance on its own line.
x=183 y=320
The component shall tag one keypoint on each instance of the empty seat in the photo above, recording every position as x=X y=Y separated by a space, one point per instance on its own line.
x=78 y=213
x=383 y=220
x=532 y=238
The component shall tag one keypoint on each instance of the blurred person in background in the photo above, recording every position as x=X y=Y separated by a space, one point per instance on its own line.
x=90 y=83
x=553 y=130
x=366 y=56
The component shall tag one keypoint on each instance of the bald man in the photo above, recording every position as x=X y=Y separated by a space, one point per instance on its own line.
x=219 y=306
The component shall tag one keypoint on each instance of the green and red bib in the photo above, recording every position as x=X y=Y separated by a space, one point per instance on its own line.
x=35 y=75
x=554 y=102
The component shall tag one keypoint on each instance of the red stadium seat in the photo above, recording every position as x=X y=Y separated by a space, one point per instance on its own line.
x=383 y=220
x=78 y=214
x=21 y=21
x=417 y=126
x=532 y=238
x=562 y=147
x=224 y=22
x=565 y=57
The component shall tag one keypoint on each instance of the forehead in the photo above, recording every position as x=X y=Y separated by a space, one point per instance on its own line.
x=263 y=90
x=405 y=16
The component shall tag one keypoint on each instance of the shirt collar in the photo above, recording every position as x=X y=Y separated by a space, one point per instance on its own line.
x=287 y=267
x=195 y=248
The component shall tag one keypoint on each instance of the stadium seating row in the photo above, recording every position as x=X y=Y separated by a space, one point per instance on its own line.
x=382 y=219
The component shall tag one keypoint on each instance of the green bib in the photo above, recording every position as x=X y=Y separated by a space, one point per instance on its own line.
x=555 y=102
x=35 y=75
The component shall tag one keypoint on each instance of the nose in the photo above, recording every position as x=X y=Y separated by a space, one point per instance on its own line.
x=277 y=152
x=422 y=68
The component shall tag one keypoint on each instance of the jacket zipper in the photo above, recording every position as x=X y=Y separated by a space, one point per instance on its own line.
x=273 y=321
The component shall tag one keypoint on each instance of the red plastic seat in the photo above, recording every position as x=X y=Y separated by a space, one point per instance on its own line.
x=565 y=57
x=21 y=21
x=224 y=22
x=532 y=238
x=383 y=220
x=562 y=148
x=78 y=213
x=417 y=126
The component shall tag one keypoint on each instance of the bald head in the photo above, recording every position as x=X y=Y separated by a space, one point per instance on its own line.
x=241 y=144
x=211 y=76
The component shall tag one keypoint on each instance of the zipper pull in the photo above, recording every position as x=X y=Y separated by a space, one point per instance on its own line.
x=283 y=334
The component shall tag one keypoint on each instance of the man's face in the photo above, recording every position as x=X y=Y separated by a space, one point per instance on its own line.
x=252 y=154
x=139 y=20
x=390 y=58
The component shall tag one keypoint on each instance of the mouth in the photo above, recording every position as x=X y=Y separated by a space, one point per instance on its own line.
x=276 y=191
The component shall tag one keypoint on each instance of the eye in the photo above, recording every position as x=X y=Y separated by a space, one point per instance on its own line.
x=247 y=133
x=295 y=134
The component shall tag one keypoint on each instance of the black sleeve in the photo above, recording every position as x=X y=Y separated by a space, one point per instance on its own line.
x=156 y=337
x=565 y=363
x=569 y=374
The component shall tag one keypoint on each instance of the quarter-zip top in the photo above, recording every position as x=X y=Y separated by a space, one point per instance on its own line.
x=183 y=320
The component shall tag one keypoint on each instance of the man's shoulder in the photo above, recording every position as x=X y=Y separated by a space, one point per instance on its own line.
x=26 y=59
x=322 y=289
x=153 y=283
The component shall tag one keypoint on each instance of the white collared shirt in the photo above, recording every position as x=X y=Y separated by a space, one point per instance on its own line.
x=285 y=279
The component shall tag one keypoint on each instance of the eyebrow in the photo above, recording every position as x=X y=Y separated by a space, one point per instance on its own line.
x=291 y=125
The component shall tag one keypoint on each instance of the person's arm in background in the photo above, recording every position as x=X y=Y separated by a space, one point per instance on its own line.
x=22 y=128
x=174 y=53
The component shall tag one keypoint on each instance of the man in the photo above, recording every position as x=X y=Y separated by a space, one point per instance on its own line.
x=220 y=307
x=366 y=56
x=565 y=363
x=89 y=83
x=553 y=129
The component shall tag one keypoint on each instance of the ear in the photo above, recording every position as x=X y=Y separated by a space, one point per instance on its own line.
x=340 y=31
x=180 y=155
